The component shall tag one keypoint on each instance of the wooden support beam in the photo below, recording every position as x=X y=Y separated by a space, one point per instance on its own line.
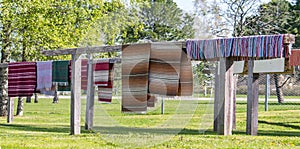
x=75 y=95
x=267 y=92
x=216 y=98
x=111 y=60
x=89 y=115
x=10 y=110
x=252 y=100
x=235 y=79
x=225 y=96
x=289 y=38
x=85 y=50
x=162 y=105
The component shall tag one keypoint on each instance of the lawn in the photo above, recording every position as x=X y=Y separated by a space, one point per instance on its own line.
x=185 y=124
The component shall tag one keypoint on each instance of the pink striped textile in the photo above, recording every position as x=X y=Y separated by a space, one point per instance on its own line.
x=105 y=92
x=101 y=73
x=21 y=79
x=84 y=74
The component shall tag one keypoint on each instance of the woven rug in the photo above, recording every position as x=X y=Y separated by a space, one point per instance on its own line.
x=295 y=58
x=44 y=75
x=101 y=73
x=135 y=67
x=21 y=79
x=105 y=92
x=60 y=71
x=151 y=100
x=186 y=76
x=63 y=72
x=84 y=74
x=164 y=69
x=148 y=71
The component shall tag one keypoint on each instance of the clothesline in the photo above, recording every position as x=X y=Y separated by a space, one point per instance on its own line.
x=111 y=60
x=263 y=46
x=26 y=78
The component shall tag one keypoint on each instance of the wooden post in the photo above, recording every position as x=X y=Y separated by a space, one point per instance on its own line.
x=89 y=115
x=211 y=92
x=216 y=98
x=162 y=106
x=235 y=79
x=75 y=95
x=10 y=115
x=252 y=100
x=267 y=92
x=225 y=94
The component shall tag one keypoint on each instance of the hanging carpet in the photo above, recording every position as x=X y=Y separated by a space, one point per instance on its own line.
x=135 y=67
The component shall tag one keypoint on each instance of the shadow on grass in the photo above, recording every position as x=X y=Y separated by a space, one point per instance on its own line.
x=279 y=133
x=271 y=103
x=166 y=131
x=170 y=131
x=285 y=103
x=272 y=133
x=275 y=132
x=162 y=131
x=56 y=129
x=280 y=124
x=127 y=130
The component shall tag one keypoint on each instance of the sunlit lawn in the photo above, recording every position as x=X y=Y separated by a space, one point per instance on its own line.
x=186 y=124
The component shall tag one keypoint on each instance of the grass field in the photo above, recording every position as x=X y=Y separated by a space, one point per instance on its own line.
x=245 y=96
x=185 y=124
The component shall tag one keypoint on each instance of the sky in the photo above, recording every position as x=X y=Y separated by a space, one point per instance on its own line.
x=187 y=5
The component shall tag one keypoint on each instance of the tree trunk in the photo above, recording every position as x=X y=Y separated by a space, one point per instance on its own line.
x=3 y=82
x=279 y=92
x=3 y=91
x=55 y=98
x=20 y=107
x=28 y=99
x=35 y=98
x=5 y=54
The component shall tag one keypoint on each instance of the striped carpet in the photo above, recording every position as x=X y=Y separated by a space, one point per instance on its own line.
x=21 y=79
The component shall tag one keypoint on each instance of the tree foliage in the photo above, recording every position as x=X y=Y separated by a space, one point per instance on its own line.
x=226 y=17
x=27 y=27
x=272 y=18
x=159 y=20
x=47 y=25
x=296 y=22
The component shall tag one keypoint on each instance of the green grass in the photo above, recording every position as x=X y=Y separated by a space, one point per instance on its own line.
x=245 y=96
x=186 y=124
x=271 y=97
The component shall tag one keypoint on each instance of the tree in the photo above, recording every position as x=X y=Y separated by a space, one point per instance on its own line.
x=272 y=18
x=275 y=17
x=206 y=19
x=226 y=16
x=296 y=22
x=7 y=22
x=27 y=27
x=159 y=20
